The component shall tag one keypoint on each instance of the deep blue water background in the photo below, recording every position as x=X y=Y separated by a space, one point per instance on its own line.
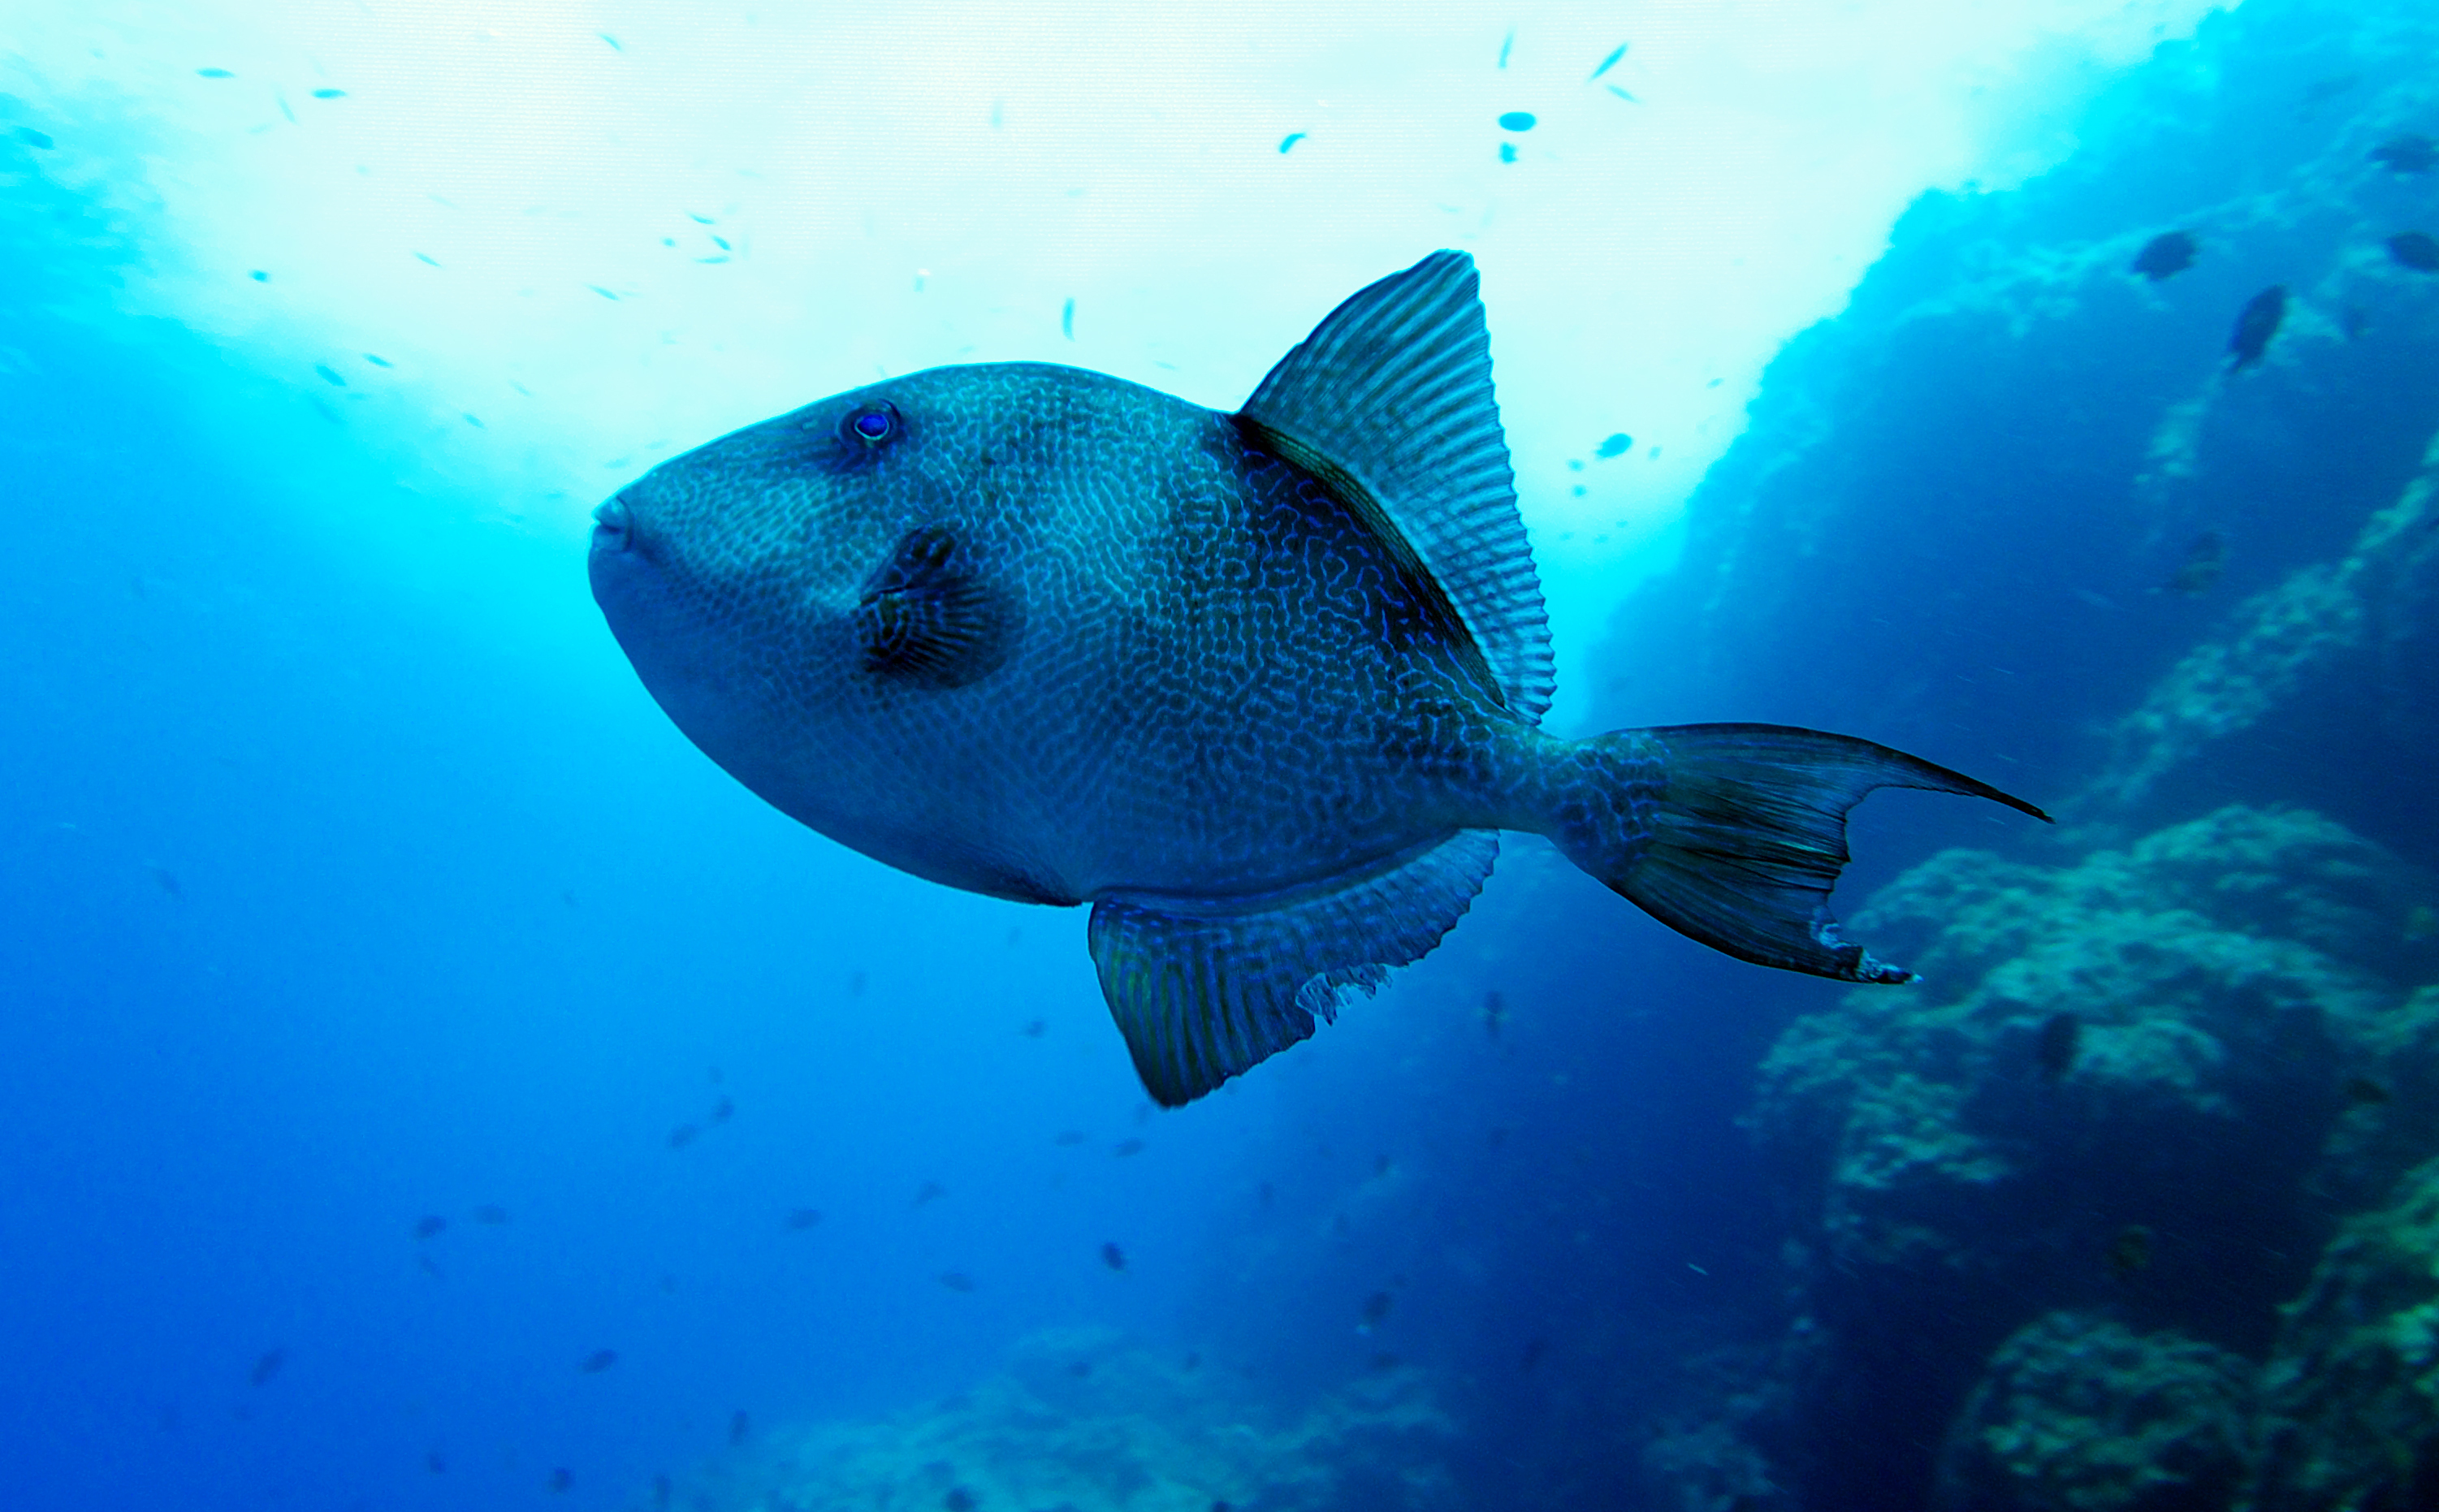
x=348 y=877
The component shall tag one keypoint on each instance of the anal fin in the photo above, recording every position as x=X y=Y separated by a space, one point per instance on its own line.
x=1204 y=989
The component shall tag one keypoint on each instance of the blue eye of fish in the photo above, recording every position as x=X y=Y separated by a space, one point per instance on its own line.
x=875 y=424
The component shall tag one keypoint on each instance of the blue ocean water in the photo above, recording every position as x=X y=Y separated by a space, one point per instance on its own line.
x=432 y=1084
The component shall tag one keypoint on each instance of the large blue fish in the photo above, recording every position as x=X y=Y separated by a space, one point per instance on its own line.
x=1262 y=688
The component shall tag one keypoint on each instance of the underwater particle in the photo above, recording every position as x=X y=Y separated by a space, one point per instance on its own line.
x=1617 y=444
x=1508 y=152
x=1289 y=140
x=1534 y=1349
x=330 y=94
x=560 y=1479
x=2365 y=1092
x=956 y=1281
x=434 y=1463
x=430 y=1224
x=958 y=1499
x=2165 y=256
x=1494 y=1013
x=929 y=1192
x=1127 y=1146
x=2205 y=559
x=2415 y=250
x=267 y=1365
x=801 y=1219
x=1112 y=1257
x=1034 y=1028
x=2061 y=1038
x=222 y=73
x=330 y=374
x=740 y=1428
x=259 y=275
x=378 y=361
x=1515 y=120
x=2129 y=1250
x=1067 y=320
x=597 y=1361
x=34 y=138
x=2408 y=154
x=683 y=1135
x=2255 y=328
x=1607 y=63
x=491 y=1214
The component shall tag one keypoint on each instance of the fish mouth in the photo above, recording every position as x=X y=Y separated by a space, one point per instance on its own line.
x=614 y=525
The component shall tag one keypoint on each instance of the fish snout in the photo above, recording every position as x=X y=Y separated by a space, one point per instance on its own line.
x=614 y=525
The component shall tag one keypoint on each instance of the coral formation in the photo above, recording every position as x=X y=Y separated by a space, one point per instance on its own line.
x=1081 y=1421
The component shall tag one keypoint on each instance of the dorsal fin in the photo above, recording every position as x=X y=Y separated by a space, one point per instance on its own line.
x=1393 y=388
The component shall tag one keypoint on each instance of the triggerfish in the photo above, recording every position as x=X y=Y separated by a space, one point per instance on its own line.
x=1261 y=687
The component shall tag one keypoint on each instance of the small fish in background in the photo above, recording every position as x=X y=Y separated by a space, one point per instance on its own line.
x=1289 y=141
x=1534 y=1350
x=683 y=1135
x=1376 y=1311
x=560 y=1479
x=267 y=1365
x=929 y=1192
x=2205 y=560
x=597 y=1361
x=956 y=1281
x=2165 y=256
x=662 y=1491
x=424 y=1263
x=2129 y=1250
x=2409 y=154
x=1616 y=444
x=2061 y=1041
x=960 y=1500
x=2415 y=250
x=856 y=983
x=435 y=1464
x=38 y=140
x=1034 y=1028
x=1112 y=1257
x=801 y=1219
x=1607 y=63
x=723 y=1110
x=214 y=73
x=2255 y=328
x=740 y=1428
x=1127 y=1146
x=1494 y=1013
x=2364 y=1092
x=429 y=1225
x=491 y=1214
x=1069 y=1137
x=330 y=94
x=164 y=879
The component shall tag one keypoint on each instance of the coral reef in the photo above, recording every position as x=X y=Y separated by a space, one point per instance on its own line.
x=2079 y=1414
x=1081 y=1421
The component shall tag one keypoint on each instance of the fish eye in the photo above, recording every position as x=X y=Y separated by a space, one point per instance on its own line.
x=874 y=423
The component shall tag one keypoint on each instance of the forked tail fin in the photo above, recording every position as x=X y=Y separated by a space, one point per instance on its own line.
x=1735 y=833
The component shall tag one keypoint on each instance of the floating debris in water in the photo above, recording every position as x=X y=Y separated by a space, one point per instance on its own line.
x=2061 y=1040
x=1515 y=120
x=597 y=1361
x=2365 y=1092
x=1289 y=140
x=2409 y=154
x=430 y=1224
x=1112 y=1257
x=2415 y=250
x=1607 y=63
x=2205 y=560
x=1618 y=444
x=801 y=1219
x=2256 y=327
x=2165 y=256
x=2129 y=1250
x=267 y=1365
x=956 y=1281
x=490 y=1213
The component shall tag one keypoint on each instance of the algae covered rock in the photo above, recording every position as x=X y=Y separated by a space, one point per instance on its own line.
x=1082 y=1421
x=2350 y=1414
x=2079 y=1414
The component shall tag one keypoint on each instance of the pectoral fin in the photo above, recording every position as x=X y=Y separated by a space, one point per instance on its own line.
x=929 y=616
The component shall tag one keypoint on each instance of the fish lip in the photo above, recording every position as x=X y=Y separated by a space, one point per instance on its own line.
x=614 y=525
